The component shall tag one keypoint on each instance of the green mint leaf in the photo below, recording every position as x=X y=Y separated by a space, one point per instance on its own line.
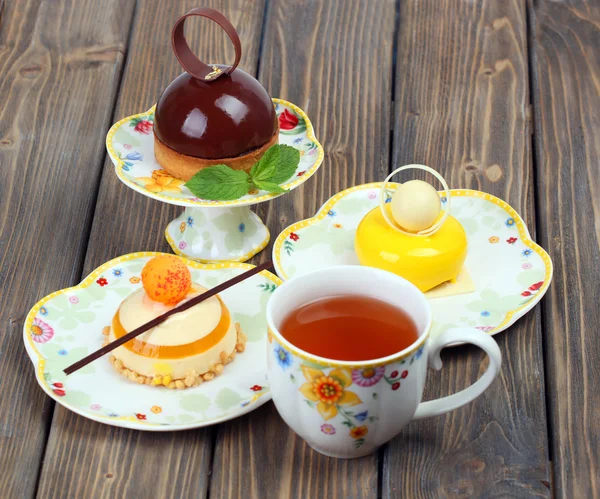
x=269 y=187
x=266 y=166
x=289 y=158
x=219 y=183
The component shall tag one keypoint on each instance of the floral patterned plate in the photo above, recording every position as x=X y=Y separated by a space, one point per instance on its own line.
x=511 y=273
x=130 y=144
x=66 y=325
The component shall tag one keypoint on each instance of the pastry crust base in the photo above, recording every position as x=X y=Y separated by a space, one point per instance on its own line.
x=185 y=167
x=192 y=379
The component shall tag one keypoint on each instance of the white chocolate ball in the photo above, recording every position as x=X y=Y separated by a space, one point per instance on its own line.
x=415 y=205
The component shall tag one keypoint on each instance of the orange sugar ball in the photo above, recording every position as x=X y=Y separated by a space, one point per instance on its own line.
x=166 y=279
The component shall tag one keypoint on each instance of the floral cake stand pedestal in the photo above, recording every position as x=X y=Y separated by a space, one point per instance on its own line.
x=208 y=231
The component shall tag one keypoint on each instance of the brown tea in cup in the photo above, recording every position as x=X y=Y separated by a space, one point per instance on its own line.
x=349 y=328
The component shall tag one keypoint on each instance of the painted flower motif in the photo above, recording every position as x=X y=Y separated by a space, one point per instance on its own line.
x=190 y=221
x=182 y=227
x=244 y=403
x=337 y=226
x=134 y=280
x=117 y=272
x=252 y=192
x=331 y=213
x=359 y=431
x=301 y=173
x=182 y=245
x=161 y=181
x=128 y=146
x=494 y=239
x=388 y=200
x=113 y=415
x=361 y=416
x=298 y=140
x=242 y=227
x=102 y=281
x=396 y=385
x=511 y=240
x=142 y=126
x=40 y=331
x=58 y=389
x=510 y=222
x=43 y=311
x=526 y=252
x=485 y=329
x=284 y=358
x=536 y=286
x=74 y=300
x=394 y=374
x=294 y=236
x=141 y=417
x=134 y=156
x=368 y=376
x=329 y=391
x=95 y=407
x=404 y=374
x=287 y=120
x=156 y=409
x=256 y=388
x=485 y=313
x=63 y=353
x=419 y=353
x=328 y=429
x=372 y=195
x=527 y=266
x=444 y=199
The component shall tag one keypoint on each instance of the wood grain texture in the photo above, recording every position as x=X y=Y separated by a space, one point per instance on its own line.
x=566 y=95
x=333 y=59
x=462 y=107
x=56 y=62
x=112 y=462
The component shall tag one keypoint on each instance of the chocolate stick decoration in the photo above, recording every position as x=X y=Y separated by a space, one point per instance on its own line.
x=161 y=318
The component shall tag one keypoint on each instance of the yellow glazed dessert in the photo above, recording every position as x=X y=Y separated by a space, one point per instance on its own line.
x=187 y=348
x=410 y=237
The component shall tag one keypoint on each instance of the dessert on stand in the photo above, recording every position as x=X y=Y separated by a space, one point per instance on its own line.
x=216 y=144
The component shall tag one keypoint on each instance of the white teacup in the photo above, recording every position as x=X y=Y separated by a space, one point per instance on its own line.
x=376 y=398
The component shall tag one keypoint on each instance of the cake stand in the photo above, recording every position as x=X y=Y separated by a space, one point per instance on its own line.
x=208 y=231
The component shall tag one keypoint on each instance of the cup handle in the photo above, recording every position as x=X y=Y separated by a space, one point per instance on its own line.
x=451 y=402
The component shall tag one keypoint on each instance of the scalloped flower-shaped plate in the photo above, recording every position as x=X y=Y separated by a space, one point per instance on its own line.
x=511 y=273
x=66 y=325
x=130 y=144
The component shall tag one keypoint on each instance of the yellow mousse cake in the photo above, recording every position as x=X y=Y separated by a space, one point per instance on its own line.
x=188 y=347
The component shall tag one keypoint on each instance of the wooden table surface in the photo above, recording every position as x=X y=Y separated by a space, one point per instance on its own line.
x=498 y=95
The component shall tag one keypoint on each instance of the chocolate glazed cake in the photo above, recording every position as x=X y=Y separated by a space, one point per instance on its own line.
x=211 y=115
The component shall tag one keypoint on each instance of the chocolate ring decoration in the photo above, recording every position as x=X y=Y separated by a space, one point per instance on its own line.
x=188 y=59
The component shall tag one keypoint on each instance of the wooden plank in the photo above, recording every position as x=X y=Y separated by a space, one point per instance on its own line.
x=114 y=462
x=57 y=61
x=566 y=94
x=333 y=59
x=462 y=107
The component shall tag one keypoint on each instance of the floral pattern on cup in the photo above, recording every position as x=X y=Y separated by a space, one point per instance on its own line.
x=284 y=358
x=369 y=376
